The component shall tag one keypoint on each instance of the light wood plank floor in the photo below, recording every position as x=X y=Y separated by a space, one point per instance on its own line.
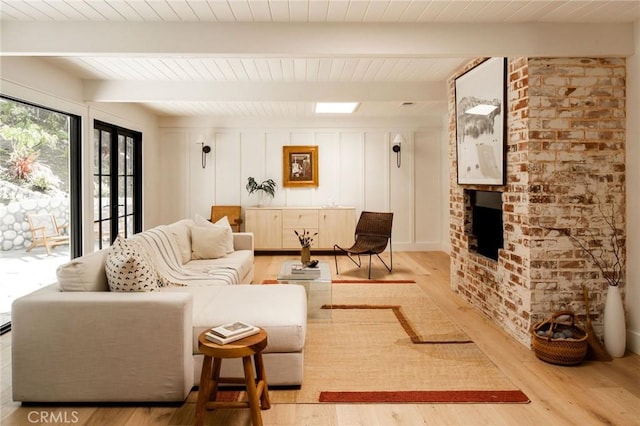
x=593 y=393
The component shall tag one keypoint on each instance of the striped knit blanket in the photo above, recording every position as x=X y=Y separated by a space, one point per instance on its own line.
x=165 y=254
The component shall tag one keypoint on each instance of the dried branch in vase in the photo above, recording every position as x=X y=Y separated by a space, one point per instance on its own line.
x=305 y=237
x=604 y=245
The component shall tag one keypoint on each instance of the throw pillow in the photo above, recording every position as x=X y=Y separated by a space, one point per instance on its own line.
x=208 y=242
x=128 y=269
x=85 y=273
x=181 y=234
x=221 y=223
x=224 y=222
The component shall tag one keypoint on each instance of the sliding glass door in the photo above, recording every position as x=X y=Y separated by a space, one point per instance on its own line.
x=40 y=197
x=117 y=181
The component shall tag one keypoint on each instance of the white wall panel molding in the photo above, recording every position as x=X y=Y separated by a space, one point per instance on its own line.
x=228 y=162
x=174 y=181
x=330 y=167
x=275 y=140
x=253 y=162
x=357 y=168
x=401 y=186
x=376 y=167
x=352 y=171
x=427 y=207
x=201 y=180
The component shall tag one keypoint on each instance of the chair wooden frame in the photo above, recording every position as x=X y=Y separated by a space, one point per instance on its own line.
x=372 y=235
x=46 y=232
x=233 y=213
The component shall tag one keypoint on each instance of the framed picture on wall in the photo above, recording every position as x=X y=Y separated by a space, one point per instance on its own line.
x=300 y=166
x=480 y=123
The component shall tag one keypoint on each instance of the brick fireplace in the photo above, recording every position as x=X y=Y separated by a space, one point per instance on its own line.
x=565 y=164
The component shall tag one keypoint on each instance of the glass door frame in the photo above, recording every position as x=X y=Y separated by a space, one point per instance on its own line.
x=116 y=175
x=75 y=175
x=75 y=182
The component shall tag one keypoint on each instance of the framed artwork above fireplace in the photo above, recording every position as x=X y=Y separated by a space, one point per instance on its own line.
x=480 y=123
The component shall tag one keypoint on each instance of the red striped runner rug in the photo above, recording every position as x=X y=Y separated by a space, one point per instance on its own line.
x=357 y=282
x=444 y=397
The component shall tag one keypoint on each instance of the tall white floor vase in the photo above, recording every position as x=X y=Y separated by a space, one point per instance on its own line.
x=615 y=333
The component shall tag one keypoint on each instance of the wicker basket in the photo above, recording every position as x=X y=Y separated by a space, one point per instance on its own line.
x=560 y=351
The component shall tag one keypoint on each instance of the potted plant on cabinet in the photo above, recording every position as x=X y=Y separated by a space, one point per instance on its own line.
x=266 y=187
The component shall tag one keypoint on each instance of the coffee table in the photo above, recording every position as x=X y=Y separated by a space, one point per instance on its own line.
x=318 y=289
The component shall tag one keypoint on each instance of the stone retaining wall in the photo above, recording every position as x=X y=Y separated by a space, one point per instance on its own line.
x=14 y=228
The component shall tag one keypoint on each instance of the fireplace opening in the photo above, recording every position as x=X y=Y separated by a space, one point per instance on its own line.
x=486 y=222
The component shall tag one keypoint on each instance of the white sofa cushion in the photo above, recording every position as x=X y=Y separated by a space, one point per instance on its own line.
x=239 y=260
x=84 y=273
x=280 y=309
x=209 y=242
x=129 y=269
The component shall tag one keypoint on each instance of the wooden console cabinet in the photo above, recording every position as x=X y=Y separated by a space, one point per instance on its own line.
x=273 y=227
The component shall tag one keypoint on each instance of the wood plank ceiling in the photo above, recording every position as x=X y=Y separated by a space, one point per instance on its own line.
x=370 y=68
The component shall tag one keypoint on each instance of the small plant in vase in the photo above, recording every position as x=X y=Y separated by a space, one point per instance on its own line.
x=266 y=187
x=306 y=239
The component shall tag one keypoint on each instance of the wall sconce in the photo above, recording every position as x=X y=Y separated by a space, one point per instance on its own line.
x=205 y=150
x=397 y=141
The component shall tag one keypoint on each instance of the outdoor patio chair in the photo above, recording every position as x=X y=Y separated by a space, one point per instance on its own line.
x=46 y=232
x=373 y=233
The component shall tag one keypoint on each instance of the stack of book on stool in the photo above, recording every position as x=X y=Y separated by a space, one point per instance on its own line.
x=231 y=332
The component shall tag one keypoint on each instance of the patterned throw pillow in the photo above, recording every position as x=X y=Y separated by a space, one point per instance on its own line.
x=129 y=269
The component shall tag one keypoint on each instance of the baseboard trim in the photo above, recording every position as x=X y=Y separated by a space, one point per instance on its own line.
x=633 y=341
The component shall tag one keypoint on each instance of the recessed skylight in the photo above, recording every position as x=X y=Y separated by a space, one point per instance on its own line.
x=336 y=107
x=481 y=109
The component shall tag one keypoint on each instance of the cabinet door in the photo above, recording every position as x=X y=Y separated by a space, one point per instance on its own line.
x=336 y=226
x=266 y=225
x=298 y=220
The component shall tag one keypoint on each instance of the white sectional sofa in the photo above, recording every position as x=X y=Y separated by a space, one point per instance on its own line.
x=76 y=341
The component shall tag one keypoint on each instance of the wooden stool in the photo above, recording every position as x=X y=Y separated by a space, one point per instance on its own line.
x=257 y=390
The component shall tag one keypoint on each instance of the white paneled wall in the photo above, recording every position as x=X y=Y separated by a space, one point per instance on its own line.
x=223 y=188
x=427 y=203
x=375 y=181
x=201 y=180
x=351 y=176
x=356 y=168
x=401 y=190
x=175 y=164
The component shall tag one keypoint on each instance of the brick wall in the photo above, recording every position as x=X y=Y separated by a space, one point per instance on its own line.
x=565 y=166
